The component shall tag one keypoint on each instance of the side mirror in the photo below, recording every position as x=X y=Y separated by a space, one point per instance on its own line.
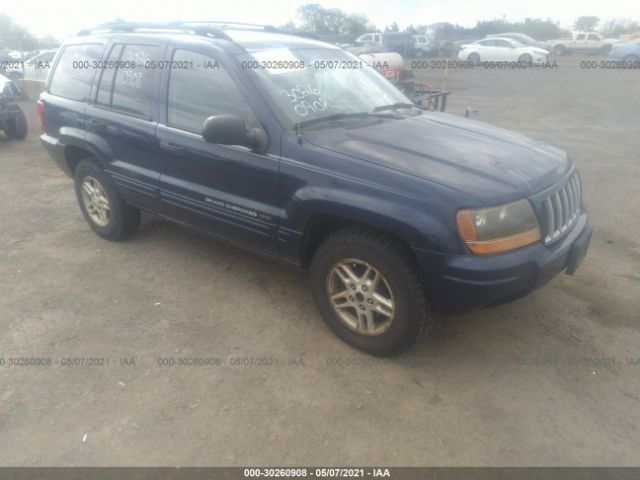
x=230 y=129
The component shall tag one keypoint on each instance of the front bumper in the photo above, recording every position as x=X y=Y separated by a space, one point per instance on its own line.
x=459 y=283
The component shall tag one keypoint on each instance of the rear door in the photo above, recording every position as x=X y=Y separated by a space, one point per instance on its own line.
x=594 y=41
x=580 y=42
x=487 y=50
x=506 y=51
x=227 y=190
x=122 y=119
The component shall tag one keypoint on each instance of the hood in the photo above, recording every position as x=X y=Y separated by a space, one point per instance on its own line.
x=490 y=163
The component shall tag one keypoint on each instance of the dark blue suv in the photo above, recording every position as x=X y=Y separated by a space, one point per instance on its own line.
x=297 y=150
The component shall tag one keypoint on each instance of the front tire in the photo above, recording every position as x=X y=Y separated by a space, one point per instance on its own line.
x=369 y=291
x=525 y=60
x=103 y=208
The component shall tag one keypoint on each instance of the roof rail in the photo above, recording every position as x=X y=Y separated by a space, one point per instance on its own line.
x=251 y=26
x=230 y=25
x=213 y=28
x=195 y=27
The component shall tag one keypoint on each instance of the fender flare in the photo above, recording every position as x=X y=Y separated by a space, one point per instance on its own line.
x=94 y=144
x=415 y=226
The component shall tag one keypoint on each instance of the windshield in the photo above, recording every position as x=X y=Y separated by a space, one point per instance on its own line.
x=309 y=84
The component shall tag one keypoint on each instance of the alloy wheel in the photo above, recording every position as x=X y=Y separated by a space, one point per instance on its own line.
x=96 y=202
x=361 y=297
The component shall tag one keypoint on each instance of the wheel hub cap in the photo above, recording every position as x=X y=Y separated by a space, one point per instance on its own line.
x=96 y=202
x=361 y=297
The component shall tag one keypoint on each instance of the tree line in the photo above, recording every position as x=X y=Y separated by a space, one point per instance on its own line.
x=316 y=19
x=332 y=21
x=16 y=37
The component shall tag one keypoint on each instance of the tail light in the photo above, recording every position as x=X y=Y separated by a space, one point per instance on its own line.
x=40 y=112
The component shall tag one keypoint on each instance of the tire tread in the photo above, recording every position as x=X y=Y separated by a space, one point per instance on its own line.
x=386 y=244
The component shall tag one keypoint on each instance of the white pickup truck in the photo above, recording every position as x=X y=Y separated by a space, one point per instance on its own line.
x=585 y=42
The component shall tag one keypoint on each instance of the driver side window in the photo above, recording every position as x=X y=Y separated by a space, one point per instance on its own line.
x=199 y=87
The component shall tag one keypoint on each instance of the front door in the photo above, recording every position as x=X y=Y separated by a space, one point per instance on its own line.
x=227 y=190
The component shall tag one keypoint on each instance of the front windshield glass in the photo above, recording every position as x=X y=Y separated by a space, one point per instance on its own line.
x=309 y=84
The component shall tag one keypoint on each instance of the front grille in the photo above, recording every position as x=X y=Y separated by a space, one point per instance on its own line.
x=561 y=209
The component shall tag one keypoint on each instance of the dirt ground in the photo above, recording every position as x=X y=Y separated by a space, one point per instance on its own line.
x=552 y=379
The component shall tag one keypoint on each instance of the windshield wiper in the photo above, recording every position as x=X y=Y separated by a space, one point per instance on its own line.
x=394 y=106
x=331 y=118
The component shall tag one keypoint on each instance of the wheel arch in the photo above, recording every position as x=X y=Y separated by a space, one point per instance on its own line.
x=411 y=227
x=74 y=155
x=77 y=148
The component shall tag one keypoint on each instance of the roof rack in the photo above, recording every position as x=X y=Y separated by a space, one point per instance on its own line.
x=221 y=25
x=194 y=27
x=213 y=28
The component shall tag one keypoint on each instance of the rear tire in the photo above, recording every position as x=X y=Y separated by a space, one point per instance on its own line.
x=106 y=212
x=387 y=317
x=474 y=59
x=16 y=126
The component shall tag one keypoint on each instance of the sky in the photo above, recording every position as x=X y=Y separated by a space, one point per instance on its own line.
x=63 y=18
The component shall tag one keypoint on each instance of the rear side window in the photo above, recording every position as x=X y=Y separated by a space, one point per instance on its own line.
x=135 y=81
x=128 y=79
x=202 y=90
x=74 y=71
x=108 y=73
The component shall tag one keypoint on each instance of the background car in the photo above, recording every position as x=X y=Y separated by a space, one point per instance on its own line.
x=502 y=50
x=422 y=46
x=522 y=38
x=626 y=52
x=35 y=68
x=399 y=42
x=582 y=42
x=8 y=64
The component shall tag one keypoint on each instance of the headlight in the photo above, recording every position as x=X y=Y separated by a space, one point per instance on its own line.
x=498 y=229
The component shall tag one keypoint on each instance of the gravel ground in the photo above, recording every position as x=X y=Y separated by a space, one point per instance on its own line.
x=552 y=379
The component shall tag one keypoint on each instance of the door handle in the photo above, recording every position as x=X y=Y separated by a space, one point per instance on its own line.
x=172 y=147
x=97 y=124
